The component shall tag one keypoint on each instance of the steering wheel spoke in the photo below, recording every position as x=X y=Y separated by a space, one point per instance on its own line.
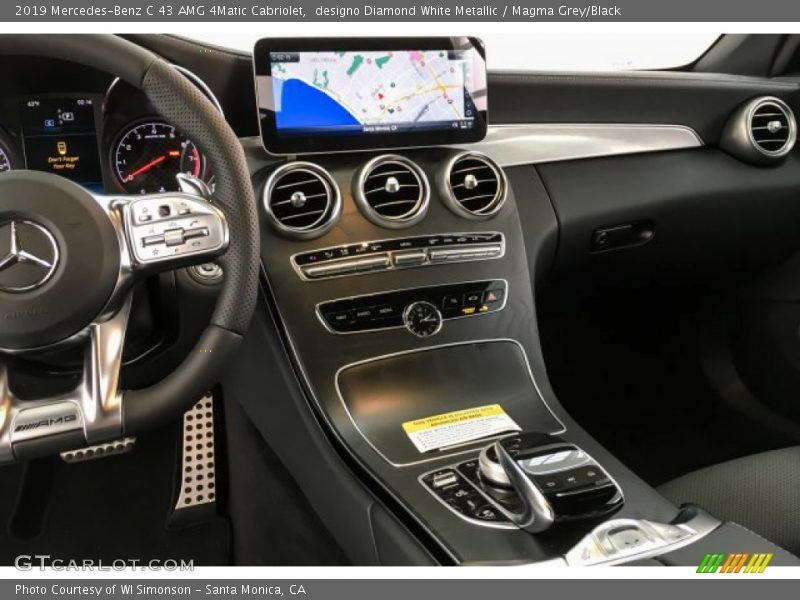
x=70 y=260
x=88 y=414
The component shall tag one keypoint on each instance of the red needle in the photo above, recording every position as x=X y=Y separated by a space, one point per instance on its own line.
x=147 y=167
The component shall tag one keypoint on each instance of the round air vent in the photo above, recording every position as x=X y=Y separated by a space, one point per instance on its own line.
x=761 y=131
x=772 y=127
x=302 y=200
x=392 y=191
x=473 y=185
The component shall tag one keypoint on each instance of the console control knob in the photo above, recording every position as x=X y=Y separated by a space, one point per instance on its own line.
x=422 y=318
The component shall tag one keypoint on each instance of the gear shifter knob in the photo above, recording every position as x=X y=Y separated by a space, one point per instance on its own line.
x=538 y=479
x=537 y=513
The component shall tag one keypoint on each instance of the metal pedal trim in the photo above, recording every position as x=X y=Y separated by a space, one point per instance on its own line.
x=198 y=467
x=114 y=448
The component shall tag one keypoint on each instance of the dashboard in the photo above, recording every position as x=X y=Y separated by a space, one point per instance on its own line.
x=423 y=253
x=108 y=140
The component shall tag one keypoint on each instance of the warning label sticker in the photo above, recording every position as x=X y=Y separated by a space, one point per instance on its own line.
x=460 y=427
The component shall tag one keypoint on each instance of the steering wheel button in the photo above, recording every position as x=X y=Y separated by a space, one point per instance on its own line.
x=174 y=237
x=198 y=232
x=152 y=240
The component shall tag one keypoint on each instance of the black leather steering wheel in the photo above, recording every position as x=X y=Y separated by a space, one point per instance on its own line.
x=69 y=260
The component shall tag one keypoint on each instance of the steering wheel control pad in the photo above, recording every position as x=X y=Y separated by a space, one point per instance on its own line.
x=59 y=259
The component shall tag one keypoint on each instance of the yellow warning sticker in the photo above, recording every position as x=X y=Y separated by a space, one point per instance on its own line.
x=459 y=427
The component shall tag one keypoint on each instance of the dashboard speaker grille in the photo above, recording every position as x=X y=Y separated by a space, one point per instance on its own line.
x=474 y=185
x=392 y=191
x=302 y=200
x=772 y=127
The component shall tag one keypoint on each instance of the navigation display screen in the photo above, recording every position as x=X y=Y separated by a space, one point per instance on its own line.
x=346 y=94
x=60 y=137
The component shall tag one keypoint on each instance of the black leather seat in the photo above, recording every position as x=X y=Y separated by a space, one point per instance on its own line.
x=760 y=492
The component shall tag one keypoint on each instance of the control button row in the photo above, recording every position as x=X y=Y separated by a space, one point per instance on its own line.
x=474 y=300
x=399 y=245
x=365 y=315
x=158 y=209
x=330 y=263
x=460 y=496
x=572 y=480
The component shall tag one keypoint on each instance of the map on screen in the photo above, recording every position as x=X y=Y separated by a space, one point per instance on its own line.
x=370 y=91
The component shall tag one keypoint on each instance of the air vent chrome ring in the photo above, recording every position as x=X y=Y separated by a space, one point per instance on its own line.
x=773 y=126
x=323 y=193
x=761 y=131
x=483 y=203
x=379 y=180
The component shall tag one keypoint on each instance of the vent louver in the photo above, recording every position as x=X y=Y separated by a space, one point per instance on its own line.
x=771 y=127
x=302 y=200
x=392 y=191
x=760 y=131
x=474 y=186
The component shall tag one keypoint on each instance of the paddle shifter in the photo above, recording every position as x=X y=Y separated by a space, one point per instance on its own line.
x=537 y=479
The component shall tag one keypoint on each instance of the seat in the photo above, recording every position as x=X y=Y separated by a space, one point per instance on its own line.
x=760 y=492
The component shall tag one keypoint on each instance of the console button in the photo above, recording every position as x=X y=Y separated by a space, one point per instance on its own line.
x=386 y=311
x=487 y=512
x=494 y=296
x=451 y=301
x=472 y=299
x=444 y=479
x=340 y=318
x=364 y=314
x=409 y=259
x=371 y=264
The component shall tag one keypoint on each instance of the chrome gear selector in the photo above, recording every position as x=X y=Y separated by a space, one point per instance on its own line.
x=537 y=480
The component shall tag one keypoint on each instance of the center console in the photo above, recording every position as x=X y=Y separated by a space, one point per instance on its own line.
x=403 y=282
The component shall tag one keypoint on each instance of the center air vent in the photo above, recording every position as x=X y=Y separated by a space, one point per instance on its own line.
x=392 y=191
x=302 y=200
x=474 y=186
x=761 y=131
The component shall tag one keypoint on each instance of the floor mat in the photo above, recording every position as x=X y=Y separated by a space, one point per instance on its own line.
x=628 y=372
x=273 y=523
x=109 y=508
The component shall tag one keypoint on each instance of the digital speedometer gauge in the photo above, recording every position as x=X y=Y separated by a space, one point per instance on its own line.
x=149 y=155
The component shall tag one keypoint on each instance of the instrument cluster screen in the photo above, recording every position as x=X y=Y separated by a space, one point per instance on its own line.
x=60 y=137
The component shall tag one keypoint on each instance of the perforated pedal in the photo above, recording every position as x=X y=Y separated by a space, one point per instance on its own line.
x=198 y=467
x=99 y=450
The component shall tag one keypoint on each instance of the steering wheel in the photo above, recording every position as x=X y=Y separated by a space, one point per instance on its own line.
x=69 y=260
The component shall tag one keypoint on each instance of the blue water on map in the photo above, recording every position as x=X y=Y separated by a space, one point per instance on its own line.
x=304 y=106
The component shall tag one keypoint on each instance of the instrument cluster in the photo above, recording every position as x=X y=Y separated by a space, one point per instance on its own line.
x=110 y=143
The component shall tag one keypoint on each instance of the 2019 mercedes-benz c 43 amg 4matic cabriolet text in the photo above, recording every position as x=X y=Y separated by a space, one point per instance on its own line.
x=365 y=301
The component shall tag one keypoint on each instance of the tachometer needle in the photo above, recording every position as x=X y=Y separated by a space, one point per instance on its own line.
x=147 y=167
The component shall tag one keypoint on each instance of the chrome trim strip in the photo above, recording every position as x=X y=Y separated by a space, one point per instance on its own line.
x=535 y=143
x=451 y=455
x=394 y=267
x=318 y=312
x=591 y=550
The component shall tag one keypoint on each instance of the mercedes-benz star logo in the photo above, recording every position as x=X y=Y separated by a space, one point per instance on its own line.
x=32 y=257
